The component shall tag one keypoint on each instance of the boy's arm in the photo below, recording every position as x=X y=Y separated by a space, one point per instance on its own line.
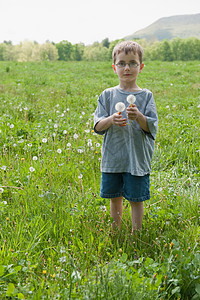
x=106 y=123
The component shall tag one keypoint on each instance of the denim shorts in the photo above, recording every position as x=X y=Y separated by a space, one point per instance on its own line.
x=132 y=188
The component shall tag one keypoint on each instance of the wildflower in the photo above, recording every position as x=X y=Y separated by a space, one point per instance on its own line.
x=120 y=106
x=98 y=145
x=80 y=150
x=22 y=159
x=53 y=276
x=120 y=251
x=35 y=158
x=55 y=126
x=65 y=132
x=171 y=245
x=1 y=190
x=80 y=176
x=83 y=113
x=87 y=130
x=7 y=219
x=11 y=126
x=59 y=150
x=131 y=99
x=75 y=136
x=44 y=272
x=198 y=106
x=3 y=168
x=89 y=143
x=31 y=169
x=44 y=140
x=68 y=145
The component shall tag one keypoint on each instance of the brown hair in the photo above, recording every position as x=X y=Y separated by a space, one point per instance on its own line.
x=127 y=46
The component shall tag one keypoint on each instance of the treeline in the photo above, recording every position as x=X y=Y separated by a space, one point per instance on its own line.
x=176 y=49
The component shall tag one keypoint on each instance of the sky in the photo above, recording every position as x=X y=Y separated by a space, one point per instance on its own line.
x=83 y=21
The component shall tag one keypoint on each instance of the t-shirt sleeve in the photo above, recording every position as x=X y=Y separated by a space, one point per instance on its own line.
x=101 y=113
x=151 y=116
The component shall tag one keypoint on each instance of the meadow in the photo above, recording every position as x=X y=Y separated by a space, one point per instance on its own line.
x=56 y=240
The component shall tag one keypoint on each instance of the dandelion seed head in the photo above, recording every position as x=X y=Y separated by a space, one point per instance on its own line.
x=120 y=106
x=44 y=140
x=31 y=169
x=35 y=158
x=12 y=126
x=75 y=136
x=68 y=144
x=59 y=150
x=1 y=190
x=131 y=99
x=65 y=132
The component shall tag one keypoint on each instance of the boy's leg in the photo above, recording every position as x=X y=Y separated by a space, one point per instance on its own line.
x=137 y=211
x=116 y=210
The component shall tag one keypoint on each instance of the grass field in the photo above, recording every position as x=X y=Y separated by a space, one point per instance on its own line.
x=56 y=240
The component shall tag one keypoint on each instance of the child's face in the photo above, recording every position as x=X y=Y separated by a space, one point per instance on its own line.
x=127 y=67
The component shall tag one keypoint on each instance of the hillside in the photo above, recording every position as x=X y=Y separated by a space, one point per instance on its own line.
x=182 y=26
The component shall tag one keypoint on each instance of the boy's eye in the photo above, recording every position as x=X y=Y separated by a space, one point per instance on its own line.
x=122 y=64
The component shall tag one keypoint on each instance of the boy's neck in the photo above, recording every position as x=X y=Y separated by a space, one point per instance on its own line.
x=130 y=88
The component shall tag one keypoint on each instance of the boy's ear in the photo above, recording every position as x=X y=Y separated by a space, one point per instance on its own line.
x=114 y=68
x=141 y=67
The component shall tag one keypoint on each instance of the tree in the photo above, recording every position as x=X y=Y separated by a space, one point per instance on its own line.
x=77 y=51
x=105 y=43
x=48 y=52
x=64 y=50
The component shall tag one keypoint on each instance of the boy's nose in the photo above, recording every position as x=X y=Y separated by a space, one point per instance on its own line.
x=127 y=66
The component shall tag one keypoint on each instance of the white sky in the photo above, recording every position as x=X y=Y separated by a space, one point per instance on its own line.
x=83 y=21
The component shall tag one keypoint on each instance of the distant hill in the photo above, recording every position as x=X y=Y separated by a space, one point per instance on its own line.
x=182 y=26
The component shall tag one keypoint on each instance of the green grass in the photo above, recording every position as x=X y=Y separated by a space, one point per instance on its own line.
x=55 y=231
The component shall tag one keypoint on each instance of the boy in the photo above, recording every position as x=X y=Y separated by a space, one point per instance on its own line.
x=128 y=143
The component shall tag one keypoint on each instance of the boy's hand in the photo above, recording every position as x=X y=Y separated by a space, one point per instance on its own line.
x=118 y=120
x=132 y=112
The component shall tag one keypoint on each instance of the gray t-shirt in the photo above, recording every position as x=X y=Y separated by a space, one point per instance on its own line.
x=129 y=148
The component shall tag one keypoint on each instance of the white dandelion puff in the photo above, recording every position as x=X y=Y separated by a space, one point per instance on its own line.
x=59 y=150
x=35 y=158
x=44 y=140
x=80 y=176
x=12 y=126
x=80 y=150
x=31 y=169
x=55 y=126
x=68 y=144
x=131 y=99
x=120 y=106
x=75 y=136
x=65 y=132
x=1 y=190
x=4 y=168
